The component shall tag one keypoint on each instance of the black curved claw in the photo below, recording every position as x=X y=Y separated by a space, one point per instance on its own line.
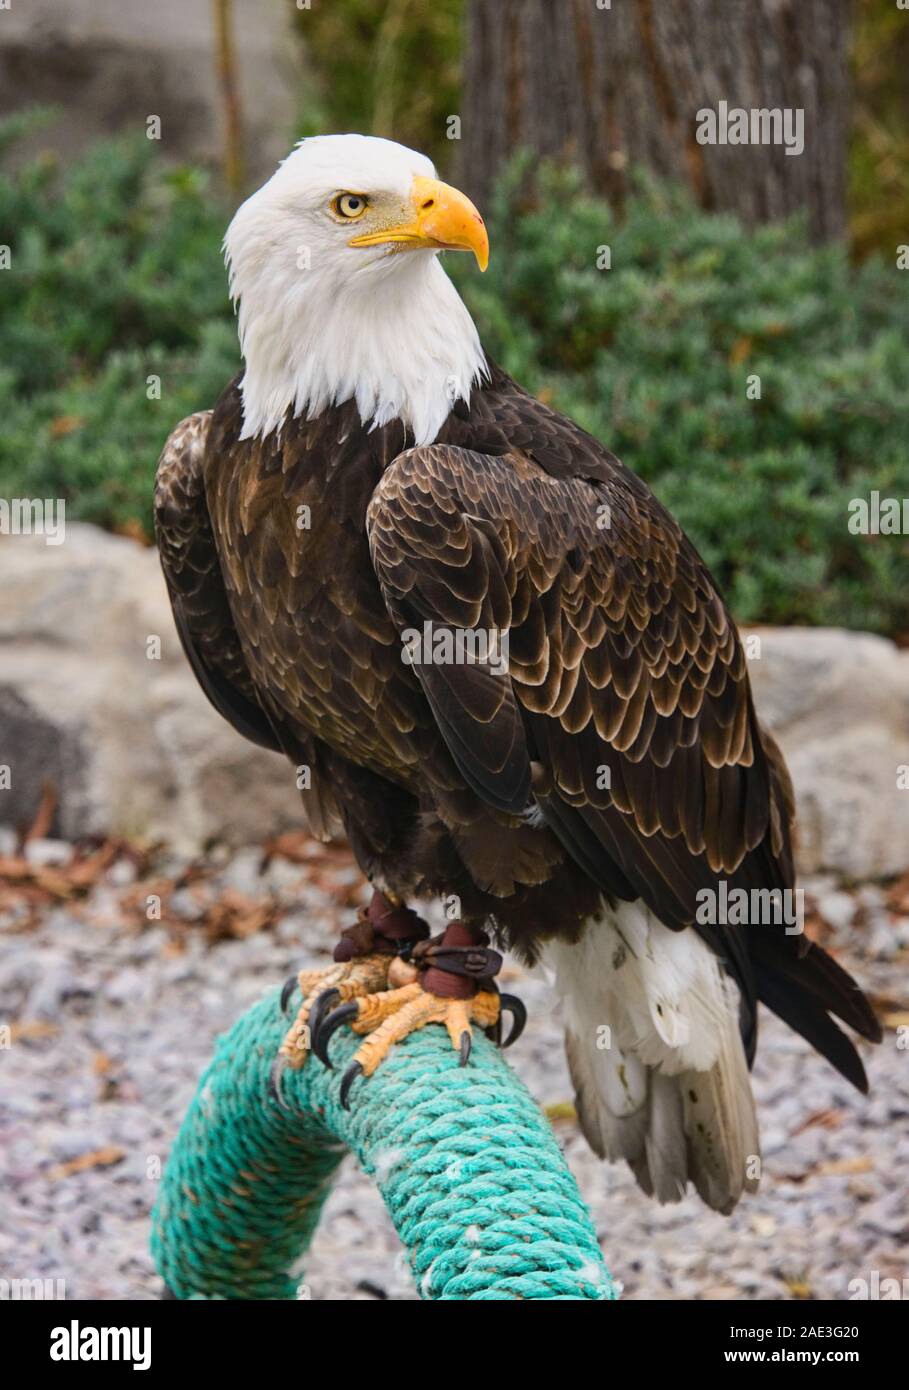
x=289 y=987
x=347 y=1080
x=320 y=1038
x=465 y=1048
x=513 y=1005
x=274 y=1081
x=325 y=1001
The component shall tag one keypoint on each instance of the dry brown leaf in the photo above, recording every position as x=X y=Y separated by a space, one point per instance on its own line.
x=741 y=349
x=31 y=1028
x=44 y=815
x=842 y=1166
x=825 y=1119
x=65 y=424
x=235 y=916
x=54 y=882
x=84 y=873
x=294 y=845
x=98 y=1158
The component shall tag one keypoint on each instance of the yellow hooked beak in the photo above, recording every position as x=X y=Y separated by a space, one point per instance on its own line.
x=443 y=220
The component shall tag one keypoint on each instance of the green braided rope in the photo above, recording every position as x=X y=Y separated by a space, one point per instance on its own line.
x=476 y=1186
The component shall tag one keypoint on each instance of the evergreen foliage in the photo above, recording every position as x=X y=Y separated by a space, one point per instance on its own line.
x=116 y=277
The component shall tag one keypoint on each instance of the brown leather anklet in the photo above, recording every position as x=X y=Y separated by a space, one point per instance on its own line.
x=457 y=964
x=381 y=929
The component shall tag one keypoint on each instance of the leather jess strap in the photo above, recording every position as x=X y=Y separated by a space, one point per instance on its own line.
x=457 y=963
x=381 y=929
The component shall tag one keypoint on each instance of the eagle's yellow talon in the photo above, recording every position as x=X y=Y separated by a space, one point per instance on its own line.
x=388 y=1018
x=376 y=1008
x=349 y=980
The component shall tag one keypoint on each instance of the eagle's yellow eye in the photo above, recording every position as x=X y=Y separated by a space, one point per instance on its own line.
x=349 y=205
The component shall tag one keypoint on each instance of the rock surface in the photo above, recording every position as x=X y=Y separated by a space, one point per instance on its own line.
x=126 y=737
x=133 y=746
x=103 y=67
x=838 y=702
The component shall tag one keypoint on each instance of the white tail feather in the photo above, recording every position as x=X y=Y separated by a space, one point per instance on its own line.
x=656 y=1056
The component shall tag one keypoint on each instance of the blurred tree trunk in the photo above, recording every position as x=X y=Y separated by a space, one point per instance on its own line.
x=228 y=81
x=619 y=86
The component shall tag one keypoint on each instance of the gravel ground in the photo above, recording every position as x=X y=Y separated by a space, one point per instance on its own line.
x=114 y=1018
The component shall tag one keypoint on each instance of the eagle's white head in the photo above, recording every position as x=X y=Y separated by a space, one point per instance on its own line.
x=334 y=265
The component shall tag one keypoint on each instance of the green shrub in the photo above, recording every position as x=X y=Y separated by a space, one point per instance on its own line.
x=117 y=277
x=653 y=357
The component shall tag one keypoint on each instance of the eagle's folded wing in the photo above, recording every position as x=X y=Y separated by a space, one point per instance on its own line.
x=626 y=703
x=189 y=559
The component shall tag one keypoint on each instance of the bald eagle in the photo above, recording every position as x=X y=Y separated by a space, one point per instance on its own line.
x=589 y=784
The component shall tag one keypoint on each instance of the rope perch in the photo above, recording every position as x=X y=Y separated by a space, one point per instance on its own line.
x=476 y=1186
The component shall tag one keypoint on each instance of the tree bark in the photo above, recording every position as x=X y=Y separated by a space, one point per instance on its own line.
x=616 y=87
